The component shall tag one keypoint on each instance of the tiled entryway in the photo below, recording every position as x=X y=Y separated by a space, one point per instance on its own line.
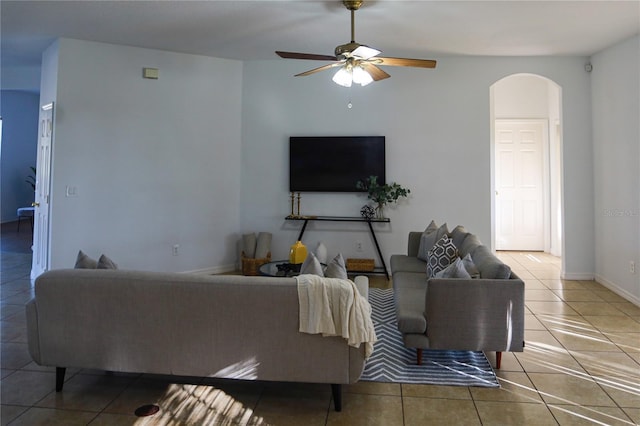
x=581 y=366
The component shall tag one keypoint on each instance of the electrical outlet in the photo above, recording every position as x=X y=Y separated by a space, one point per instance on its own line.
x=358 y=245
x=176 y=249
x=632 y=267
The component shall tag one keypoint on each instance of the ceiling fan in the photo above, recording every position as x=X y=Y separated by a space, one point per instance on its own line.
x=358 y=63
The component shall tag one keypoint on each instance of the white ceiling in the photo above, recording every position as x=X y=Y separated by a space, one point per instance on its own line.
x=248 y=30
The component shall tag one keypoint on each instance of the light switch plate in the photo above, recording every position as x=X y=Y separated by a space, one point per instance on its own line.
x=151 y=73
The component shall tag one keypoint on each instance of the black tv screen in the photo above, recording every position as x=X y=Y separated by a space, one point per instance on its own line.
x=334 y=163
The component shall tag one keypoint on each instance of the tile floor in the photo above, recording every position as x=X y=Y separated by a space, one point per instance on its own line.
x=580 y=366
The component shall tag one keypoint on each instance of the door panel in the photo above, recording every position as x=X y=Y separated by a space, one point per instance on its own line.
x=519 y=148
x=40 y=262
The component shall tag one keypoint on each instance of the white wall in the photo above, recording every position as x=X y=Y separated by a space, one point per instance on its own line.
x=522 y=96
x=19 y=112
x=155 y=162
x=616 y=132
x=21 y=77
x=437 y=127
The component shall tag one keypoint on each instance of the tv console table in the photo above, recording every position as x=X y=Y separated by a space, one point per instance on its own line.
x=369 y=222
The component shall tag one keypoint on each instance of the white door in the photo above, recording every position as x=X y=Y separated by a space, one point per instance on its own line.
x=40 y=247
x=519 y=151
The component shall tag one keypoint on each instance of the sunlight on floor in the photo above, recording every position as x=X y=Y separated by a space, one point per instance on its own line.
x=199 y=405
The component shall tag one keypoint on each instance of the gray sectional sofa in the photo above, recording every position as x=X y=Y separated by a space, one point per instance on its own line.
x=480 y=314
x=232 y=327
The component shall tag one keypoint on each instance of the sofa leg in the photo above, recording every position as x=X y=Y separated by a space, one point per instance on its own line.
x=419 y=356
x=336 y=392
x=60 y=372
x=498 y=360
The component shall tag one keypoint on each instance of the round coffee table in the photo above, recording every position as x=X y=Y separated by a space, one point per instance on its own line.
x=279 y=268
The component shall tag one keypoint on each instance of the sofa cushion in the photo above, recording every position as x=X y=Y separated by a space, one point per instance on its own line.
x=404 y=263
x=470 y=243
x=429 y=238
x=489 y=265
x=410 y=303
x=336 y=268
x=455 y=270
x=85 y=262
x=441 y=255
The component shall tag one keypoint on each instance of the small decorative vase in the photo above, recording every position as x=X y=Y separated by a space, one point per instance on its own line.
x=380 y=211
x=298 y=253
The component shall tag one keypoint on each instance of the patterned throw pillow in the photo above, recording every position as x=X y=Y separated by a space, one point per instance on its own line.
x=443 y=253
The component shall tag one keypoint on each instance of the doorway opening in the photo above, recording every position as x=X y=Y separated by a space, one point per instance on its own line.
x=526 y=164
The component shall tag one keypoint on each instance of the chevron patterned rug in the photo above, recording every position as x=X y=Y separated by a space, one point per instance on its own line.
x=392 y=362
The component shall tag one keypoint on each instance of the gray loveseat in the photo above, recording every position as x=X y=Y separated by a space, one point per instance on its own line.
x=231 y=327
x=480 y=314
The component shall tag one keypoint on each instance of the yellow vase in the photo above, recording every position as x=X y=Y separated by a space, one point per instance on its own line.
x=298 y=253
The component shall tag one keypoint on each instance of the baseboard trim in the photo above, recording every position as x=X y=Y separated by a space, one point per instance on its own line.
x=575 y=276
x=213 y=270
x=617 y=290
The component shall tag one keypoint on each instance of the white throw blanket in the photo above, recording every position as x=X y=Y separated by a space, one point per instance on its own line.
x=334 y=307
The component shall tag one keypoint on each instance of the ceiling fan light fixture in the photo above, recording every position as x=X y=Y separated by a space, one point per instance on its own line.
x=344 y=77
x=361 y=76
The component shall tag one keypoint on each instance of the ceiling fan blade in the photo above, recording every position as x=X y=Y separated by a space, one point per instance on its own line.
x=295 y=55
x=322 y=68
x=365 y=52
x=376 y=73
x=405 y=62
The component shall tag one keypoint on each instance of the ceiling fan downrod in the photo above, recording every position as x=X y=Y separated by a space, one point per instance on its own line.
x=352 y=5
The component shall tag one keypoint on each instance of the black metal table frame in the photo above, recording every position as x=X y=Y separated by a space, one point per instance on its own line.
x=369 y=222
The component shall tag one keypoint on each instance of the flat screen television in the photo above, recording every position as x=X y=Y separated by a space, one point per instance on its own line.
x=334 y=163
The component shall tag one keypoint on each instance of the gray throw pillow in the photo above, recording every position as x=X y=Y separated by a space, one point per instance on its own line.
x=336 y=268
x=321 y=253
x=443 y=254
x=105 y=263
x=470 y=266
x=470 y=243
x=311 y=265
x=458 y=235
x=85 y=262
x=429 y=238
x=455 y=270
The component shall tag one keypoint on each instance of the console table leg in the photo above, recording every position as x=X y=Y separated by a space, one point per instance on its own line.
x=304 y=226
x=375 y=240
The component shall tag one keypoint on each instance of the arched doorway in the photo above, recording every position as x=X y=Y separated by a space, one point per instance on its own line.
x=526 y=164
